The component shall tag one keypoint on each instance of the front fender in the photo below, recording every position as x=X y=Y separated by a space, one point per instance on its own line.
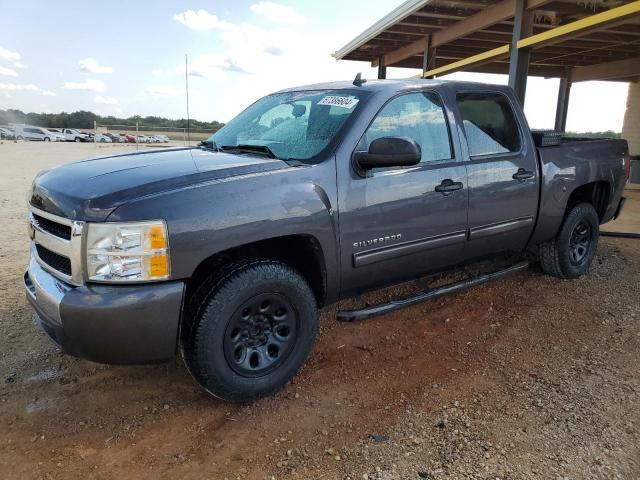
x=210 y=218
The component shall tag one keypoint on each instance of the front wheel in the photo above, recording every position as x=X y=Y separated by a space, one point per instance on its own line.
x=47 y=139
x=570 y=254
x=250 y=331
x=78 y=140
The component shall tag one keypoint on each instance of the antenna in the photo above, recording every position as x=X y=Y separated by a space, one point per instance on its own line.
x=359 y=80
x=186 y=82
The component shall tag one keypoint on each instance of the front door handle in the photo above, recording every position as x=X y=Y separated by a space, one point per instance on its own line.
x=448 y=186
x=521 y=175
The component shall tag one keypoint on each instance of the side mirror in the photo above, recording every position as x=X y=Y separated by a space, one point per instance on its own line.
x=298 y=110
x=390 y=152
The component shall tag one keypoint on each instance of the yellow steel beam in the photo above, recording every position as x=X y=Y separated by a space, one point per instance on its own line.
x=487 y=17
x=480 y=58
x=581 y=26
x=599 y=20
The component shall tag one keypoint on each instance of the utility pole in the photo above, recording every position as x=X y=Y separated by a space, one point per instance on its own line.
x=186 y=82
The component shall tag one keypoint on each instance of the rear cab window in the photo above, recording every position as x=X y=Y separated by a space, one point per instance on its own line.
x=489 y=123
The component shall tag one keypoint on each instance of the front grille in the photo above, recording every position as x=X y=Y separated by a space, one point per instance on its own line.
x=54 y=228
x=58 y=262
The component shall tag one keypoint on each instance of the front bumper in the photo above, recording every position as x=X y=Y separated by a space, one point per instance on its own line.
x=108 y=324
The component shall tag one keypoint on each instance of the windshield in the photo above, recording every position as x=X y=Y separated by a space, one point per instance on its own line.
x=292 y=125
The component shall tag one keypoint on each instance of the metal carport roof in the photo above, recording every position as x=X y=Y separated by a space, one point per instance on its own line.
x=562 y=37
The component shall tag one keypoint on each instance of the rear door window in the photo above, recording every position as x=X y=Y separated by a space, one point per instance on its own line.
x=489 y=124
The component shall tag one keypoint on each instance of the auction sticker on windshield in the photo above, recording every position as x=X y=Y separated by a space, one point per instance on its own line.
x=337 y=101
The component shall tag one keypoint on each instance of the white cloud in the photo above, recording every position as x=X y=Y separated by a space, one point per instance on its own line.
x=211 y=66
x=278 y=13
x=106 y=100
x=247 y=49
x=91 y=85
x=19 y=65
x=21 y=87
x=9 y=72
x=9 y=55
x=163 y=90
x=91 y=65
x=201 y=20
x=14 y=87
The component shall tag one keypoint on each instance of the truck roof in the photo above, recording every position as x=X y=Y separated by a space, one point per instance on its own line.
x=391 y=86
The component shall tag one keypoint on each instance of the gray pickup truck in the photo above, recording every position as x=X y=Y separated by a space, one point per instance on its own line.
x=226 y=251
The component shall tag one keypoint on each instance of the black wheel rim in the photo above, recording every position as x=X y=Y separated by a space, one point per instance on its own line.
x=579 y=243
x=260 y=335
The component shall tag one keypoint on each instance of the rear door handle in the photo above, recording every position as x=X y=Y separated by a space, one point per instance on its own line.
x=448 y=186
x=521 y=175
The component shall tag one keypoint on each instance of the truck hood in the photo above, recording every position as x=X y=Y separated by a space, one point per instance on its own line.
x=91 y=189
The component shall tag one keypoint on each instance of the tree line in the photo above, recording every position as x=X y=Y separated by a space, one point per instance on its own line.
x=605 y=134
x=85 y=119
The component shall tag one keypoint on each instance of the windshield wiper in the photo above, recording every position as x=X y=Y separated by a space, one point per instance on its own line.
x=259 y=149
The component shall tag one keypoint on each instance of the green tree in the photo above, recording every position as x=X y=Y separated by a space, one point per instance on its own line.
x=85 y=119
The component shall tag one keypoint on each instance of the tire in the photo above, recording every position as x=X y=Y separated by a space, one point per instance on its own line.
x=47 y=139
x=251 y=329
x=570 y=254
x=77 y=140
x=19 y=137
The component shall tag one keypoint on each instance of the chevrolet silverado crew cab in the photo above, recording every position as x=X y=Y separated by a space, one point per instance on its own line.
x=225 y=252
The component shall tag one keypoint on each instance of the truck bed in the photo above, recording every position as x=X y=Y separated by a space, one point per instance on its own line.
x=573 y=163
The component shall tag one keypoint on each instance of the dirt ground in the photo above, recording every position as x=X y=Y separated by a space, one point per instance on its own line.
x=526 y=378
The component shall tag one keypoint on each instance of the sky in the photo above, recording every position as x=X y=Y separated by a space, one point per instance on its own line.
x=128 y=58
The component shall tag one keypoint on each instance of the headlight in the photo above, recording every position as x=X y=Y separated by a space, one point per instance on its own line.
x=124 y=252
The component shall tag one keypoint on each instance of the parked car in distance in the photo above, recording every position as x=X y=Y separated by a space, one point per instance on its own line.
x=58 y=134
x=102 y=138
x=126 y=138
x=7 y=134
x=114 y=138
x=73 y=135
x=143 y=139
x=163 y=138
x=225 y=252
x=25 y=132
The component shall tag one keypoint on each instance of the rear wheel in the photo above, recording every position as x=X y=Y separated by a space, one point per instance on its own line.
x=570 y=254
x=251 y=330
